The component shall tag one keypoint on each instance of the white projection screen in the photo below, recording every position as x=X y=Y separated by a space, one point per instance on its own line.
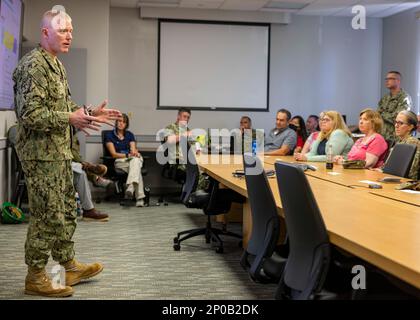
x=213 y=65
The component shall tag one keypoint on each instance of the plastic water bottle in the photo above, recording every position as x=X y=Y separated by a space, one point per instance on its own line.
x=254 y=147
x=78 y=205
x=329 y=163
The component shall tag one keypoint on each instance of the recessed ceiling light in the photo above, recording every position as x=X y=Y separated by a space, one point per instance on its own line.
x=284 y=5
x=163 y=3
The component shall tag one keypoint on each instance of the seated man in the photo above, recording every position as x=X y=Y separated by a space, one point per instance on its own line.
x=81 y=185
x=94 y=172
x=172 y=135
x=81 y=171
x=281 y=141
x=312 y=124
x=245 y=134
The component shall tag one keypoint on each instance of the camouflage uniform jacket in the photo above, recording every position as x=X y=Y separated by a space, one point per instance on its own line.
x=43 y=106
x=175 y=152
x=389 y=107
x=415 y=169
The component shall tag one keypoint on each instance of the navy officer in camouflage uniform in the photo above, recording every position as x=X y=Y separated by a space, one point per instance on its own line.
x=391 y=104
x=46 y=114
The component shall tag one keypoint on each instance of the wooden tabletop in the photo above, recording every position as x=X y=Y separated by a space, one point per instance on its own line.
x=382 y=231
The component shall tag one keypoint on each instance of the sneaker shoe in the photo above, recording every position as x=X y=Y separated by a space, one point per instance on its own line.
x=94 y=215
x=98 y=169
x=140 y=203
x=129 y=192
x=102 y=182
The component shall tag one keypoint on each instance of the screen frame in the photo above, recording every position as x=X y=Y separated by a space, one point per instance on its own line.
x=268 y=25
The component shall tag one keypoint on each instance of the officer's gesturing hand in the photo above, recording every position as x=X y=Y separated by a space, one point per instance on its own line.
x=80 y=120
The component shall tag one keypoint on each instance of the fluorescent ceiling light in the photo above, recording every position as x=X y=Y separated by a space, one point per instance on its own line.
x=278 y=10
x=284 y=5
x=167 y=3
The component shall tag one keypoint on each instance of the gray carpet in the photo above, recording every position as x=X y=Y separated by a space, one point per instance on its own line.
x=135 y=247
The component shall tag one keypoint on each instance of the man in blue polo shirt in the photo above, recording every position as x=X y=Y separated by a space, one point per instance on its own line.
x=281 y=140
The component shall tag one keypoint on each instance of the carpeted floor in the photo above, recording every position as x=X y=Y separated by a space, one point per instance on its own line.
x=135 y=247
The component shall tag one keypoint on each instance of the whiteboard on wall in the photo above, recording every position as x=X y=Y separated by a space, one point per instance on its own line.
x=213 y=65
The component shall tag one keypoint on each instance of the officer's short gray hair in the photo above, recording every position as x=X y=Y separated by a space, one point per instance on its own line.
x=56 y=18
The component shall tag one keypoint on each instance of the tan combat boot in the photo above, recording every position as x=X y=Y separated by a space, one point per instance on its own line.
x=76 y=271
x=38 y=283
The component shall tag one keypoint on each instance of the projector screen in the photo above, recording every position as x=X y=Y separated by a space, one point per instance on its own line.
x=213 y=65
x=10 y=40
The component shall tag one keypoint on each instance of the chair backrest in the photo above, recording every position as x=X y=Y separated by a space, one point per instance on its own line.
x=108 y=161
x=400 y=160
x=265 y=219
x=12 y=135
x=309 y=254
x=11 y=139
x=105 y=151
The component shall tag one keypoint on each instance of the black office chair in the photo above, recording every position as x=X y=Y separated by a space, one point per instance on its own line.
x=19 y=190
x=266 y=266
x=213 y=201
x=119 y=176
x=309 y=256
x=400 y=160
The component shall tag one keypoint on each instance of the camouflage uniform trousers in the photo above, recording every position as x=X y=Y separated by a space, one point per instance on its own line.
x=53 y=212
x=202 y=184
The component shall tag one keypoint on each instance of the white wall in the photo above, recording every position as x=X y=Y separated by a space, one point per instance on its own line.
x=322 y=63
x=315 y=64
x=402 y=51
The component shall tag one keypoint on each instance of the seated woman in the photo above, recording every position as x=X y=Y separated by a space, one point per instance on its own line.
x=372 y=147
x=121 y=145
x=334 y=132
x=302 y=135
x=405 y=127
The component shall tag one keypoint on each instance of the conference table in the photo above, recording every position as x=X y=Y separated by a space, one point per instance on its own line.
x=380 y=226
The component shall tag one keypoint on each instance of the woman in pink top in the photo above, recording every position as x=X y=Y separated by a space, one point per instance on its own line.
x=372 y=147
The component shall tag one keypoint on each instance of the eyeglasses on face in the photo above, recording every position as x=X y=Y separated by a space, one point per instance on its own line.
x=399 y=123
x=390 y=78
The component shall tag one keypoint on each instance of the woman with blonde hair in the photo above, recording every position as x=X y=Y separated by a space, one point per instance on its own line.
x=334 y=132
x=372 y=147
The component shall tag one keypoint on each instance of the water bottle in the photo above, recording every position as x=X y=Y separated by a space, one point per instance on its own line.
x=254 y=147
x=329 y=163
x=78 y=205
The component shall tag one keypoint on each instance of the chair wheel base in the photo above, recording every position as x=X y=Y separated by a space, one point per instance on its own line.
x=219 y=250
x=176 y=239
x=177 y=247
